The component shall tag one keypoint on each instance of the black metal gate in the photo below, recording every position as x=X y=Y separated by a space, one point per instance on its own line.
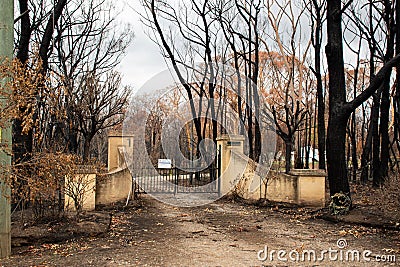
x=174 y=181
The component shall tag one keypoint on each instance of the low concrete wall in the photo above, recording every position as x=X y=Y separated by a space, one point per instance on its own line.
x=281 y=187
x=310 y=187
x=250 y=181
x=113 y=187
x=81 y=185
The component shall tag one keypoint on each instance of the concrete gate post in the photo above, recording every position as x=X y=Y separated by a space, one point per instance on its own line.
x=225 y=145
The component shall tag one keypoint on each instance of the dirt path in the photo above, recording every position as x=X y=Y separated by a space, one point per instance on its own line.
x=219 y=234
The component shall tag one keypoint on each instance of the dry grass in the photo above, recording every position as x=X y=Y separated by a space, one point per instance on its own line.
x=384 y=200
x=388 y=197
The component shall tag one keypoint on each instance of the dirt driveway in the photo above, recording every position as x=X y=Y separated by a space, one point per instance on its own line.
x=224 y=233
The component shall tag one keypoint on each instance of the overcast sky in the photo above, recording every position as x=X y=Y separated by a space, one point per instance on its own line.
x=143 y=59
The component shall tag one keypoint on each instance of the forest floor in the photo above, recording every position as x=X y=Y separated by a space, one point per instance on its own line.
x=224 y=233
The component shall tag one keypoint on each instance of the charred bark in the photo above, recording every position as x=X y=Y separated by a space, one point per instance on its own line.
x=338 y=115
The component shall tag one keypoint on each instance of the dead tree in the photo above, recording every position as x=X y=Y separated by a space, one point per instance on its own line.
x=23 y=142
x=99 y=106
x=89 y=41
x=339 y=109
x=317 y=11
x=286 y=128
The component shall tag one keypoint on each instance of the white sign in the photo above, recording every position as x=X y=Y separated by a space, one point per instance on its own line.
x=164 y=164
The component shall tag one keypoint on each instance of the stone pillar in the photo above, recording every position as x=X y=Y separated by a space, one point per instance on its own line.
x=225 y=145
x=310 y=187
x=118 y=144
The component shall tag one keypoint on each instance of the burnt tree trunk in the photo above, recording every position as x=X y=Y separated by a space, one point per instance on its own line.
x=44 y=50
x=338 y=114
x=339 y=109
x=321 y=121
x=384 y=128
x=385 y=104
x=86 y=148
x=25 y=32
x=366 y=153
x=354 y=147
x=396 y=98
x=375 y=137
x=288 y=154
x=320 y=91
x=336 y=148
x=22 y=142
